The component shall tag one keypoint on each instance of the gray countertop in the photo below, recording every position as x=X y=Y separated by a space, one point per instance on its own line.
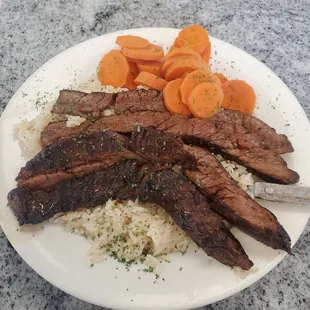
x=278 y=34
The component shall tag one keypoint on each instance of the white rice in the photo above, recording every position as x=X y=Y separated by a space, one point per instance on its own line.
x=129 y=230
x=27 y=133
x=238 y=173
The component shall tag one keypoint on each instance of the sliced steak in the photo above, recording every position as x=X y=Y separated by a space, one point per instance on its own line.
x=182 y=201
x=239 y=126
x=192 y=213
x=157 y=146
x=139 y=101
x=233 y=204
x=88 y=105
x=75 y=157
x=58 y=130
x=35 y=206
x=236 y=135
x=253 y=131
x=220 y=137
x=91 y=105
x=127 y=123
x=215 y=136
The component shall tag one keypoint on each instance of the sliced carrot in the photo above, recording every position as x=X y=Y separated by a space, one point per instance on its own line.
x=150 y=80
x=239 y=95
x=181 y=51
x=173 y=46
x=133 y=60
x=172 y=98
x=195 y=78
x=153 y=52
x=194 y=37
x=221 y=76
x=207 y=53
x=113 y=69
x=168 y=62
x=134 y=71
x=133 y=42
x=179 y=67
x=205 y=100
x=153 y=67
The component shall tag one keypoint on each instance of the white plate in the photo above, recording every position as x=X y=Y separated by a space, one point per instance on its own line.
x=61 y=258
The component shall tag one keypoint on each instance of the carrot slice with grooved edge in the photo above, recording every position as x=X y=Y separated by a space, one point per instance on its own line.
x=239 y=95
x=113 y=69
x=153 y=52
x=172 y=98
x=133 y=42
x=195 y=78
x=205 y=100
x=150 y=80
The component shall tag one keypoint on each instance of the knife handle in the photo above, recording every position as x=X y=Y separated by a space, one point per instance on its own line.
x=282 y=193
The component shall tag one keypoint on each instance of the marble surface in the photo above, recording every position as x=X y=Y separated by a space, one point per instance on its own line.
x=275 y=32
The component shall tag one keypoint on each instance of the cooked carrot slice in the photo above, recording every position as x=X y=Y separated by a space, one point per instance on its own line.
x=168 y=62
x=173 y=46
x=221 y=76
x=150 y=80
x=113 y=69
x=195 y=78
x=153 y=67
x=133 y=42
x=153 y=52
x=207 y=53
x=194 y=37
x=179 y=67
x=133 y=60
x=172 y=98
x=134 y=71
x=239 y=95
x=205 y=100
x=181 y=51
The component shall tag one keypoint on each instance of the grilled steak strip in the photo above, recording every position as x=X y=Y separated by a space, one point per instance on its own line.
x=237 y=126
x=75 y=157
x=236 y=135
x=58 y=130
x=253 y=131
x=88 y=105
x=191 y=213
x=35 y=206
x=265 y=163
x=91 y=105
x=139 y=101
x=233 y=204
x=157 y=146
x=219 y=137
x=181 y=200
x=91 y=151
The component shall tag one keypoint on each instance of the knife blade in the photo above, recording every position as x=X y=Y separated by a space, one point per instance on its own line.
x=282 y=193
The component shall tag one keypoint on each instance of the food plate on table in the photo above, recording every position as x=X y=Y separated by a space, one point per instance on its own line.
x=186 y=278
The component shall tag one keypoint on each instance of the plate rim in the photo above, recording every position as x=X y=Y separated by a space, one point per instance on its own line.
x=220 y=296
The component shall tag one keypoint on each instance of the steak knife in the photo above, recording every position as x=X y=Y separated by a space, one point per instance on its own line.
x=282 y=193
